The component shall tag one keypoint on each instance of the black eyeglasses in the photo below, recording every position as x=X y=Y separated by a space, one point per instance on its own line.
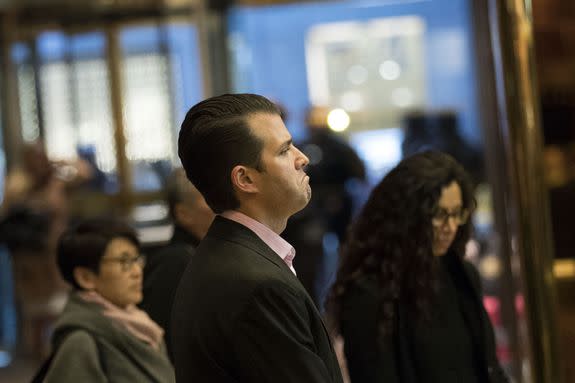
x=127 y=262
x=441 y=217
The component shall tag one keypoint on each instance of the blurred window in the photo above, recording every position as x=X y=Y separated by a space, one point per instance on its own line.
x=65 y=95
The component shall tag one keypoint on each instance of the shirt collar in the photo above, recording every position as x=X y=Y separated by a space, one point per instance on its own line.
x=279 y=245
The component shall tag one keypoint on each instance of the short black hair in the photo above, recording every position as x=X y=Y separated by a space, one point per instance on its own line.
x=84 y=245
x=215 y=137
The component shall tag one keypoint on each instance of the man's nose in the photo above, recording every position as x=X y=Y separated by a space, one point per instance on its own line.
x=301 y=161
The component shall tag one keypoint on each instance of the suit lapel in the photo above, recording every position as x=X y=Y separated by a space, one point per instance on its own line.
x=228 y=230
x=225 y=229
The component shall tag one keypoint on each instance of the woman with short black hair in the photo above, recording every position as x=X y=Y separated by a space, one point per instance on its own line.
x=102 y=336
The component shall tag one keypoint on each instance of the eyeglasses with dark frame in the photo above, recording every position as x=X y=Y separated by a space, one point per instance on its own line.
x=441 y=217
x=127 y=262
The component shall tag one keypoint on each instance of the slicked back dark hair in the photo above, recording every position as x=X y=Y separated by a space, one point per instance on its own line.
x=214 y=138
x=84 y=245
x=392 y=238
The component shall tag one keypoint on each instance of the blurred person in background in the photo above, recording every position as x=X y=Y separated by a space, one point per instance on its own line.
x=98 y=180
x=191 y=217
x=240 y=313
x=34 y=213
x=102 y=336
x=407 y=304
x=440 y=130
x=333 y=165
x=318 y=229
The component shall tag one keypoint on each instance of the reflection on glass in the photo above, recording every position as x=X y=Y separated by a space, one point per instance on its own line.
x=147 y=115
x=380 y=63
x=160 y=81
x=59 y=130
x=387 y=51
x=74 y=96
x=28 y=112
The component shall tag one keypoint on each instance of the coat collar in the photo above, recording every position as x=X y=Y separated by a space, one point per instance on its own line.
x=228 y=230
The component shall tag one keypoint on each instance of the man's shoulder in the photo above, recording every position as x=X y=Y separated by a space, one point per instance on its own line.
x=232 y=279
x=269 y=286
x=235 y=266
x=240 y=246
x=229 y=257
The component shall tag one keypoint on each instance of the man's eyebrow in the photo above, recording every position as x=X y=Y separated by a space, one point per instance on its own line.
x=285 y=145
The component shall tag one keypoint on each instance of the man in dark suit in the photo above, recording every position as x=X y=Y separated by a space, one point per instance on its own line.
x=240 y=313
x=191 y=217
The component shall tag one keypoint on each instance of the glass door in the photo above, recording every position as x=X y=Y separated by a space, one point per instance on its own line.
x=406 y=76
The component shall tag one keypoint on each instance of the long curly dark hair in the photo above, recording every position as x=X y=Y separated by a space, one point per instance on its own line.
x=392 y=238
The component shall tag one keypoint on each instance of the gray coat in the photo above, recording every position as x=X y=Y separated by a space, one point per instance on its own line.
x=92 y=348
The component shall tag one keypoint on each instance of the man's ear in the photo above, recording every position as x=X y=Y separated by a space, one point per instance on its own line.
x=243 y=179
x=85 y=277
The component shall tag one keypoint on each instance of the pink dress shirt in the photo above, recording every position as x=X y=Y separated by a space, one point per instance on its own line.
x=279 y=245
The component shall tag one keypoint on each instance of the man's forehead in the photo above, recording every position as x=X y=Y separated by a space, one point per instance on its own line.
x=269 y=127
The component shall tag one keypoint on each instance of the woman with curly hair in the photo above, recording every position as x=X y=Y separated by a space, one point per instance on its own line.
x=405 y=301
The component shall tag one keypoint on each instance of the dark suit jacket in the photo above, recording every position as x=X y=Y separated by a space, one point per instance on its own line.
x=393 y=361
x=241 y=315
x=164 y=268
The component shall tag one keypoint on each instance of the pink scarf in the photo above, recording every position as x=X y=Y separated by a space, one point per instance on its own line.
x=134 y=320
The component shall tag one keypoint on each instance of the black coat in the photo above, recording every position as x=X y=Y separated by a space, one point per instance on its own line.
x=164 y=268
x=395 y=360
x=241 y=315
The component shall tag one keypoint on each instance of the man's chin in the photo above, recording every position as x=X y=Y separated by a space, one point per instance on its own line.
x=303 y=203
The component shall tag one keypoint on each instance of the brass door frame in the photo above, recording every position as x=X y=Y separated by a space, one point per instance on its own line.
x=514 y=156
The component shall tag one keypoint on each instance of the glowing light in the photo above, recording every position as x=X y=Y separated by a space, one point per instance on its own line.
x=564 y=268
x=390 y=70
x=338 y=120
